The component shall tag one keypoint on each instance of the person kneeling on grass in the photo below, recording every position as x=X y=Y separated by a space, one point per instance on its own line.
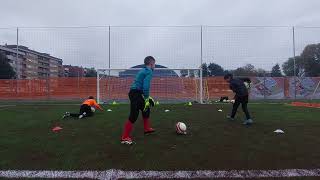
x=140 y=100
x=86 y=109
x=240 y=88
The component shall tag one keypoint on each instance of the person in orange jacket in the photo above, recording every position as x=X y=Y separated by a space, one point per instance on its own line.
x=86 y=109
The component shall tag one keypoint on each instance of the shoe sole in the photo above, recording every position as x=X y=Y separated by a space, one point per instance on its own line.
x=149 y=132
x=127 y=142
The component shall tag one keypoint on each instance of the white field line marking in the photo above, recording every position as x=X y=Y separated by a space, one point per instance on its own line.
x=116 y=174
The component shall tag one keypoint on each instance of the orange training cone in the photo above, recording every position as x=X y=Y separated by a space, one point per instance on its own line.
x=56 y=129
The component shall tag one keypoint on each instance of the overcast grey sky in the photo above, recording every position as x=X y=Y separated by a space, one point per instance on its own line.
x=174 y=47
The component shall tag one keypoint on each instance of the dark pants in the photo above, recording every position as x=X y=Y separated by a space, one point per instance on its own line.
x=136 y=105
x=243 y=100
x=83 y=108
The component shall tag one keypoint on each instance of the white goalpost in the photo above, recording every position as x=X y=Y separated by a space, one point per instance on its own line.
x=168 y=85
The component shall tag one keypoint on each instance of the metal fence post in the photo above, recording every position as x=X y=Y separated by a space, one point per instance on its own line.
x=201 y=61
x=294 y=62
x=109 y=71
x=78 y=83
x=264 y=86
x=17 y=64
x=98 y=86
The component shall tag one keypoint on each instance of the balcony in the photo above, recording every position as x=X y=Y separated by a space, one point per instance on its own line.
x=43 y=61
x=43 y=66
x=43 y=69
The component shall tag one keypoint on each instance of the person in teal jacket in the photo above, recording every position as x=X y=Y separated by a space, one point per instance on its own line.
x=140 y=100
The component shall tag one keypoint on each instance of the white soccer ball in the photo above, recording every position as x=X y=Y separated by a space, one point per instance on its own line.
x=181 y=128
x=93 y=109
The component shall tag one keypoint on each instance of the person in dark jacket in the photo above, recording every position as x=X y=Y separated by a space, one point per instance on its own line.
x=240 y=88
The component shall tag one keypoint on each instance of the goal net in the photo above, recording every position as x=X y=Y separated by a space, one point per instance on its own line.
x=168 y=85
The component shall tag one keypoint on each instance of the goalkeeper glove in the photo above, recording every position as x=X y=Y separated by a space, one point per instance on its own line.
x=149 y=102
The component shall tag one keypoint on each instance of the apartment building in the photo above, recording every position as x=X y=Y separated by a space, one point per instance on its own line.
x=32 y=64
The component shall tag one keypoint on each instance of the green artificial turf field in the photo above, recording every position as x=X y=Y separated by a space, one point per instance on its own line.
x=212 y=142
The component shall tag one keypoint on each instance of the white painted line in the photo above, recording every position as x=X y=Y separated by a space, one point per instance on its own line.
x=116 y=174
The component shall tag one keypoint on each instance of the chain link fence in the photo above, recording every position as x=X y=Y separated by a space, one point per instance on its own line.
x=62 y=62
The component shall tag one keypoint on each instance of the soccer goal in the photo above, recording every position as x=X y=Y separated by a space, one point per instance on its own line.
x=168 y=85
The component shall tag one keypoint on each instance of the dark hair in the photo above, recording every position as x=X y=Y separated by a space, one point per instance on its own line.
x=148 y=60
x=90 y=97
x=227 y=76
x=248 y=80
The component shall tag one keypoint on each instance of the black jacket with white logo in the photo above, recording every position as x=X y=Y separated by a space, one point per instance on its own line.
x=238 y=87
